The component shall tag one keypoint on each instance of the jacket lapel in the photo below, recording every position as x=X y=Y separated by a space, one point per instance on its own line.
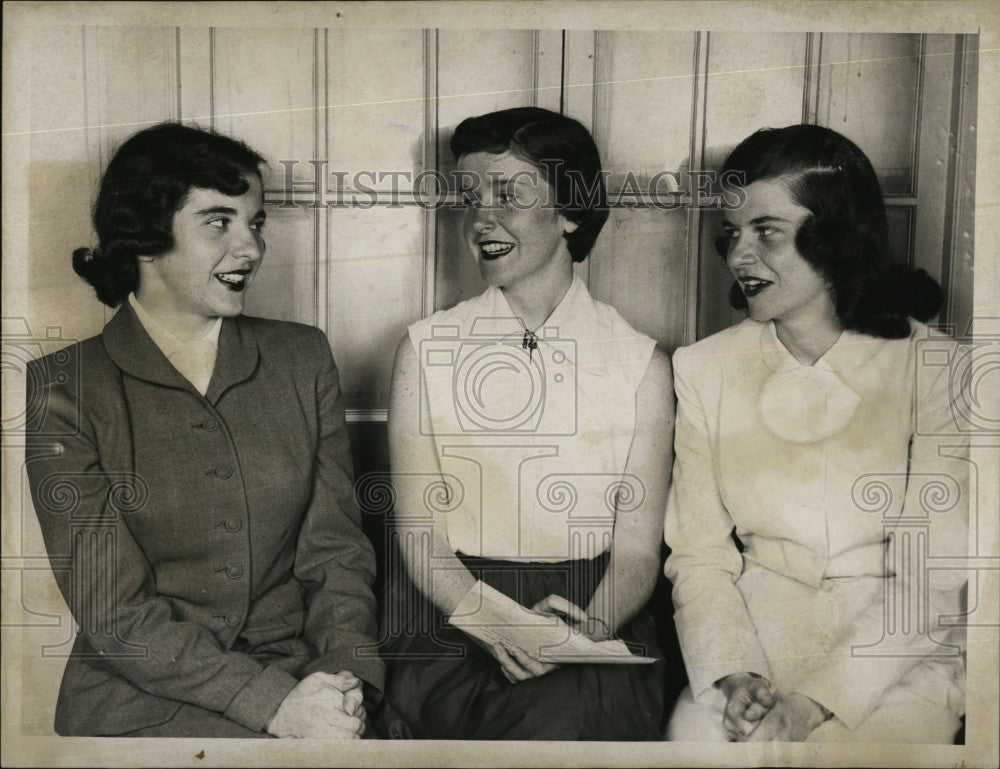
x=132 y=350
x=237 y=358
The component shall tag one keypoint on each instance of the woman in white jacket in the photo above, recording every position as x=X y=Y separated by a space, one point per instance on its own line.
x=817 y=467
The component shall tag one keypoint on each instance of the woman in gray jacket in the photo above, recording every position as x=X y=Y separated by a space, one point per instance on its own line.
x=191 y=472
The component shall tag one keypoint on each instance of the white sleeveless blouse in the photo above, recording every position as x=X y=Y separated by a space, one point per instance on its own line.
x=532 y=444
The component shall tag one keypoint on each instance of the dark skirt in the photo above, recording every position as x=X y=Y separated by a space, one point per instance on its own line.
x=442 y=685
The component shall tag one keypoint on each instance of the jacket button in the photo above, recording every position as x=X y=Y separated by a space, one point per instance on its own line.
x=223 y=471
x=233 y=618
x=211 y=424
x=233 y=524
x=234 y=571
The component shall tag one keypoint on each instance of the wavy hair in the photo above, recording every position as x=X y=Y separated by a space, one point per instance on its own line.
x=846 y=236
x=561 y=148
x=144 y=185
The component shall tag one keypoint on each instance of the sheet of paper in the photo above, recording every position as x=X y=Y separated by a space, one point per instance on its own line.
x=492 y=617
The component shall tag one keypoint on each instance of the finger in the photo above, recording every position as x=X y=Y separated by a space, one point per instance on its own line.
x=340 y=720
x=528 y=662
x=755 y=711
x=738 y=727
x=765 y=730
x=565 y=607
x=343 y=681
x=353 y=700
x=510 y=667
x=761 y=693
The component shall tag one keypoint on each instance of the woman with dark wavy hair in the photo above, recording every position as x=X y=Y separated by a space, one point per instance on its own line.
x=529 y=436
x=800 y=613
x=213 y=557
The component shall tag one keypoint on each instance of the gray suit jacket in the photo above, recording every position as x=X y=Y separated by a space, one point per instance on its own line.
x=209 y=548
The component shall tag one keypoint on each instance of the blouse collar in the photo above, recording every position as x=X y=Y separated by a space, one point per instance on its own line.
x=849 y=351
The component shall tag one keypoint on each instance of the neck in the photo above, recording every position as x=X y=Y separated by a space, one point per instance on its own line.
x=184 y=326
x=808 y=340
x=534 y=300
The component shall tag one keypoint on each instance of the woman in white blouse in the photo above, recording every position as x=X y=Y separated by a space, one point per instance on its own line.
x=530 y=432
x=818 y=465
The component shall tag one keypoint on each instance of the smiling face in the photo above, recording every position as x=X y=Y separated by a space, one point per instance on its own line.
x=777 y=281
x=218 y=246
x=510 y=225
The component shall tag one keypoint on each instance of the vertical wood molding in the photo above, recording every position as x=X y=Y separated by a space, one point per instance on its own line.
x=599 y=116
x=429 y=160
x=194 y=75
x=211 y=78
x=810 y=84
x=578 y=76
x=698 y=138
x=90 y=110
x=600 y=78
x=177 y=70
x=930 y=207
x=548 y=54
x=917 y=118
x=322 y=217
x=958 y=252
x=535 y=65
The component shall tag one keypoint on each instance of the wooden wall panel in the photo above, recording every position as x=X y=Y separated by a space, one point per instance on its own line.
x=131 y=82
x=640 y=269
x=643 y=103
x=263 y=91
x=284 y=286
x=654 y=100
x=375 y=270
x=194 y=74
x=376 y=114
x=477 y=73
x=639 y=262
x=62 y=180
x=868 y=91
x=753 y=81
x=579 y=75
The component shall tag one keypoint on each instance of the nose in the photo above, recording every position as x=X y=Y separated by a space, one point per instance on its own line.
x=741 y=253
x=249 y=244
x=483 y=218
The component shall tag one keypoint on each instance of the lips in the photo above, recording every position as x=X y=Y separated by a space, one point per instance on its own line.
x=234 y=280
x=494 y=249
x=752 y=286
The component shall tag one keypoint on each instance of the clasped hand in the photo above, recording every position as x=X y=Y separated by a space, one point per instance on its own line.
x=516 y=664
x=322 y=705
x=754 y=713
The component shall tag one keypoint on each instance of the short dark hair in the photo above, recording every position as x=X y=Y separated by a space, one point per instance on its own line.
x=144 y=185
x=846 y=236
x=561 y=148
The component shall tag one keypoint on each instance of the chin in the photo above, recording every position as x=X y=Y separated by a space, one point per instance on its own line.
x=230 y=311
x=760 y=315
x=491 y=274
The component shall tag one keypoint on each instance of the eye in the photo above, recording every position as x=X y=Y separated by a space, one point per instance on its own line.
x=469 y=200
x=725 y=239
x=220 y=222
x=766 y=231
x=257 y=226
x=505 y=199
